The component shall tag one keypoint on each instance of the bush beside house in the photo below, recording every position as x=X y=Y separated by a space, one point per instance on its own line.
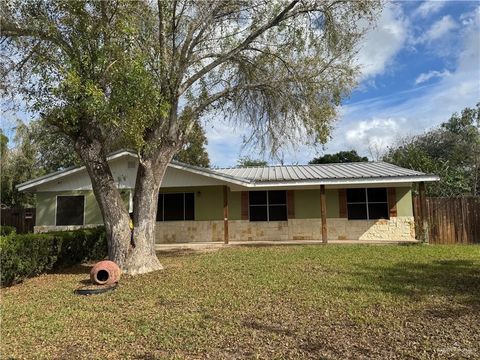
x=26 y=255
x=6 y=230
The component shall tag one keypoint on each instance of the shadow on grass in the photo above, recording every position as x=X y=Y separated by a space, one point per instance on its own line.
x=74 y=270
x=176 y=252
x=447 y=278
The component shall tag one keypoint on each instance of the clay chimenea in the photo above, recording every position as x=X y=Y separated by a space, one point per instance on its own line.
x=105 y=272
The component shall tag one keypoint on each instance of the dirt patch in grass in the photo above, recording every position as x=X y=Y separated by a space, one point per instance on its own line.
x=330 y=302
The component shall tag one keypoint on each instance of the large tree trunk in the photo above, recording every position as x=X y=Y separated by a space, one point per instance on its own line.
x=142 y=258
x=114 y=212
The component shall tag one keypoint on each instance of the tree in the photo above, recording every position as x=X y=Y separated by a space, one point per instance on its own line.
x=143 y=74
x=18 y=165
x=247 y=161
x=4 y=171
x=194 y=151
x=451 y=151
x=339 y=157
x=37 y=150
x=52 y=148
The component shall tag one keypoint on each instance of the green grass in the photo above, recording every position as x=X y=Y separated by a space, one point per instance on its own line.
x=268 y=302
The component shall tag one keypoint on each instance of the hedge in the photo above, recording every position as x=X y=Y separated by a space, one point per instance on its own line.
x=7 y=230
x=26 y=255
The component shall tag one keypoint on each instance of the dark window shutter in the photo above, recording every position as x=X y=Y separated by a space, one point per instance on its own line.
x=342 y=200
x=392 y=202
x=244 y=205
x=291 y=204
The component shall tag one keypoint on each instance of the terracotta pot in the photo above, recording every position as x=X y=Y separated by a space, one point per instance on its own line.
x=105 y=272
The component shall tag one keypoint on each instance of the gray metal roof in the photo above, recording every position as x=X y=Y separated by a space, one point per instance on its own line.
x=340 y=171
x=284 y=175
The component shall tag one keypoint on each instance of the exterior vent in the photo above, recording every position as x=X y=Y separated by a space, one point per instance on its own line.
x=131 y=164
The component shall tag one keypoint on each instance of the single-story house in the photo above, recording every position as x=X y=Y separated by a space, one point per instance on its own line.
x=348 y=201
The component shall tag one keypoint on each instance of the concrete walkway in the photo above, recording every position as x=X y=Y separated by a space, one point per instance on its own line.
x=218 y=245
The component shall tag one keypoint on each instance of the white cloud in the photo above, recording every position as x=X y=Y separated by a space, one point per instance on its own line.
x=439 y=29
x=428 y=8
x=380 y=122
x=375 y=130
x=385 y=120
x=424 y=77
x=382 y=43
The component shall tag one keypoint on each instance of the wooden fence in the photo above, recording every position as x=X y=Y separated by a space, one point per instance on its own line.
x=450 y=220
x=22 y=219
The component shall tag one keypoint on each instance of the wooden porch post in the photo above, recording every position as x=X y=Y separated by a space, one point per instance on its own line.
x=323 y=209
x=225 y=214
x=423 y=212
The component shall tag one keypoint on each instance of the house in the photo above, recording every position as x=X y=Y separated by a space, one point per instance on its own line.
x=356 y=201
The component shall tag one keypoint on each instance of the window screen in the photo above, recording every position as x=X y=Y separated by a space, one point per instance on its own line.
x=268 y=205
x=367 y=204
x=70 y=210
x=176 y=207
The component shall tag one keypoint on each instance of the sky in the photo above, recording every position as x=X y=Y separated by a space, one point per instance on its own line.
x=418 y=66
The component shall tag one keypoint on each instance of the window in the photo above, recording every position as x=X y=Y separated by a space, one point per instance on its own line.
x=70 y=210
x=367 y=204
x=268 y=205
x=176 y=206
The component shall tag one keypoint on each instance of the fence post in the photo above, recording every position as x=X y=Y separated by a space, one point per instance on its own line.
x=423 y=212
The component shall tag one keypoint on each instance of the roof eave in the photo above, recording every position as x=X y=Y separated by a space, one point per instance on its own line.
x=65 y=172
x=352 y=181
x=210 y=173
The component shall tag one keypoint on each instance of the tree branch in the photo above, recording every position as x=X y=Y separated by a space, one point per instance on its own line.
x=273 y=22
x=12 y=30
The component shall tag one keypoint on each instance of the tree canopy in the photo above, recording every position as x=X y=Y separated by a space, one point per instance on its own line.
x=247 y=161
x=17 y=165
x=339 y=157
x=194 y=151
x=142 y=74
x=451 y=151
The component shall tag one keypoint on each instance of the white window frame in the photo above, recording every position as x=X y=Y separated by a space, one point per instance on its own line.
x=369 y=202
x=176 y=193
x=84 y=207
x=268 y=206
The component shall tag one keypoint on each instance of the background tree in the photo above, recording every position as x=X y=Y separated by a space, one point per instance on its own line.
x=194 y=151
x=54 y=149
x=247 y=161
x=40 y=149
x=144 y=74
x=4 y=172
x=451 y=151
x=339 y=157
x=18 y=165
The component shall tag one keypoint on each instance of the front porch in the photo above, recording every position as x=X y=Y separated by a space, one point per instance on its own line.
x=215 y=245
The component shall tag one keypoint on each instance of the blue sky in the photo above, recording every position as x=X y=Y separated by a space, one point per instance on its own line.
x=419 y=65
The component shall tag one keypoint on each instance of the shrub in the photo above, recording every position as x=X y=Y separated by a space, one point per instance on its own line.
x=27 y=255
x=6 y=230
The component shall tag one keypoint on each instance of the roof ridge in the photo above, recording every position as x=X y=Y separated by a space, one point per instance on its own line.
x=288 y=165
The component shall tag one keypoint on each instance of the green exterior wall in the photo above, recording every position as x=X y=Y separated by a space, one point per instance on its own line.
x=209 y=204
x=307 y=204
x=235 y=205
x=208 y=201
x=404 y=201
x=46 y=204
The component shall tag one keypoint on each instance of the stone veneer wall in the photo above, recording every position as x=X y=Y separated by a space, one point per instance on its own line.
x=397 y=228
x=46 y=228
x=169 y=232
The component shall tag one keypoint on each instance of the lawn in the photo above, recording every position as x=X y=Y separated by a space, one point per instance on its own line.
x=344 y=301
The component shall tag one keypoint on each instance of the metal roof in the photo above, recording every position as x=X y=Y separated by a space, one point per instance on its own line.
x=320 y=172
x=283 y=175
